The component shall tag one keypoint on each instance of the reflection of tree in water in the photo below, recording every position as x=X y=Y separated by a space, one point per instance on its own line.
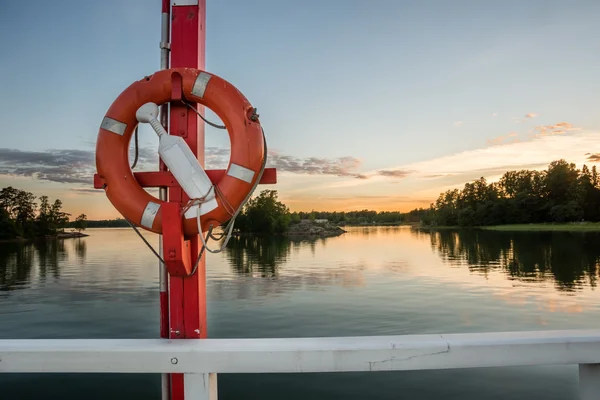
x=50 y=254
x=568 y=258
x=80 y=248
x=263 y=254
x=16 y=262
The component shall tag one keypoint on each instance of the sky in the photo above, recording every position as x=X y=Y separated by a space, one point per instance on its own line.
x=365 y=104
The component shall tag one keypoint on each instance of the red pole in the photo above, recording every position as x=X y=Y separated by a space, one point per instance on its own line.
x=187 y=297
x=164 y=119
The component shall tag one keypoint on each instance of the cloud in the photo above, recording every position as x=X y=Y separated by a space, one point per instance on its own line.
x=458 y=123
x=537 y=132
x=595 y=157
x=86 y=190
x=432 y=176
x=341 y=166
x=216 y=155
x=494 y=160
x=556 y=129
x=62 y=166
x=531 y=115
x=494 y=114
x=502 y=139
x=394 y=173
x=78 y=166
x=65 y=166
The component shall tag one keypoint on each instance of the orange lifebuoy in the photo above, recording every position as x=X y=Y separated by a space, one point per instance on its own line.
x=117 y=127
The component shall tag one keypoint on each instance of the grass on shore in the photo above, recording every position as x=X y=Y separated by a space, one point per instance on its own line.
x=549 y=227
x=542 y=227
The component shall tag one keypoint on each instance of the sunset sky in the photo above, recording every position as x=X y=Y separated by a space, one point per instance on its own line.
x=365 y=104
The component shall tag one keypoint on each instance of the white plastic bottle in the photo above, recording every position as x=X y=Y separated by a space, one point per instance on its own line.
x=182 y=163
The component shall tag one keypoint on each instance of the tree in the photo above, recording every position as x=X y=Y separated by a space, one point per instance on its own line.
x=562 y=182
x=20 y=215
x=80 y=222
x=20 y=208
x=562 y=193
x=264 y=214
x=44 y=215
x=58 y=218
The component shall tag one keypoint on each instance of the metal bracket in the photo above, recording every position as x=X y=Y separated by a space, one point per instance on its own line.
x=165 y=45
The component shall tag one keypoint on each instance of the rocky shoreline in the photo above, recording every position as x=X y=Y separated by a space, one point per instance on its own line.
x=308 y=229
x=62 y=235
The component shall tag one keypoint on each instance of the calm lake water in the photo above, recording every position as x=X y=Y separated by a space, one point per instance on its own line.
x=370 y=281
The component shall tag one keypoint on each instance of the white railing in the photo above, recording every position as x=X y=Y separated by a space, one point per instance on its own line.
x=201 y=360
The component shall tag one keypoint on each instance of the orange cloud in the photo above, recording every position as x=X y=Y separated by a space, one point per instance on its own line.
x=502 y=139
x=556 y=129
x=352 y=203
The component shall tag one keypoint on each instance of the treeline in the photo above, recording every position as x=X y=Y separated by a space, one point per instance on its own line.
x=561 y=193
x=103 y=223
x=363 y=217
x=265 y=214
x=22 y=216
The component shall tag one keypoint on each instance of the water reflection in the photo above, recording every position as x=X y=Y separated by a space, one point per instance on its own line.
x=17 y=262
x=570 y=259
x=50 y=255
x=247 y=255
x=80 y=248
x=278 y=266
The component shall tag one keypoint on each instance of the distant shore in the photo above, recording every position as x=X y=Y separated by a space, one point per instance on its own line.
x=548 y=227
x=540 y=227
x=61 y=235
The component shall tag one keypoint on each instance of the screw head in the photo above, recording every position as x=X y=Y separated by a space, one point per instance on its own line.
x=253 y=115
x=174 y=360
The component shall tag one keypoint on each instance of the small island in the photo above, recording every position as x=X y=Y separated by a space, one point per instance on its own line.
x=23 y=219
x=265 y=215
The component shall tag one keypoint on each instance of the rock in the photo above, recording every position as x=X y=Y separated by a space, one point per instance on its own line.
x=69 y=235
x=308 y=228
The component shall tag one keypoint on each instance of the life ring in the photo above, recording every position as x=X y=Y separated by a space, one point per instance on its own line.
x=118 y=125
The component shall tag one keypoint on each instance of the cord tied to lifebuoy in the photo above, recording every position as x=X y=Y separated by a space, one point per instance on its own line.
x=210 y=204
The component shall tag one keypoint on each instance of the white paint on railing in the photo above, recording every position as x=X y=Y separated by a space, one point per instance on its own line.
x=335 y=354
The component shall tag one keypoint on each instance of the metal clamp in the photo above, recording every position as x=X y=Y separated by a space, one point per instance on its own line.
x=165 y=45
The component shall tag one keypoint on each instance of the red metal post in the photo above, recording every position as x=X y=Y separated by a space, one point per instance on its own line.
x=187 y=295
x=162 y=269
x=182 y=297
x=165 y=31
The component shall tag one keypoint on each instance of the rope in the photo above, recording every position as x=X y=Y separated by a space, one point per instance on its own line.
x=136 y=148
x=204 y=119
x=194 y=269
x=145 y=241
x=231 y=223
